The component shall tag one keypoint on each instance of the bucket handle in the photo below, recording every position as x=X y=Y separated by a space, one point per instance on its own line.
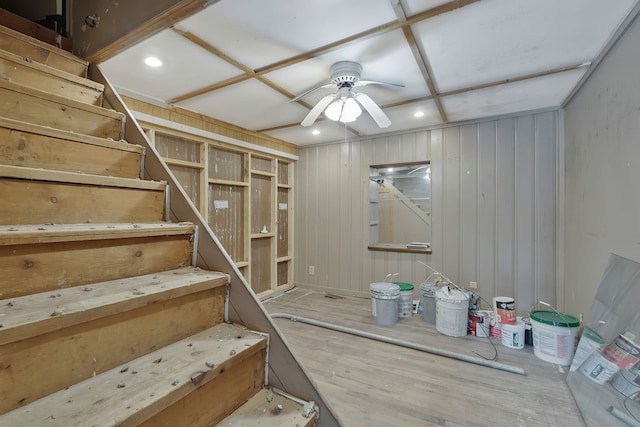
x=552 y=308
x=392 y=275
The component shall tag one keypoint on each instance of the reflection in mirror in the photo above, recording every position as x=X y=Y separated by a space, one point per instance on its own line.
x=605 y=374
x=400 y=207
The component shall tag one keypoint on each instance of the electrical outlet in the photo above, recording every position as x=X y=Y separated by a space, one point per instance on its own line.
x=473 y=285
x=312 y=270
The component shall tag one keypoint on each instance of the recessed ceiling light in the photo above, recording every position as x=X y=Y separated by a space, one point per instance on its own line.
x=152 y=61
x=315 y=132
x=418 y=114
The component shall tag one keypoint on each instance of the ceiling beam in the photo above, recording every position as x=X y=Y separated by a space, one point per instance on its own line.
x=420 y=58
x=381 y=29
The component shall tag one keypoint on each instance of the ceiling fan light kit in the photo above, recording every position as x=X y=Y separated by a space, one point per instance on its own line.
x=344 y=104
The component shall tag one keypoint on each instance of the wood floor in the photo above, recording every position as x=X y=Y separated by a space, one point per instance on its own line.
x=369 y=383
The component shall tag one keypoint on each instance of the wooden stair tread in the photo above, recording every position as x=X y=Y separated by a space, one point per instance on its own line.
x=69 y=135
x=130 y=394
x=32 y=315
x=50 y=233
x=262 y=410
x=30 y=46
x=37 y=174
x=24 y=71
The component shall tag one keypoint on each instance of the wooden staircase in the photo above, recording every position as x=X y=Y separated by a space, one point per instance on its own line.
x=104 y=318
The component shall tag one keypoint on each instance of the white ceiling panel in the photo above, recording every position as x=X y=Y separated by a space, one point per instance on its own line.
x=259 y=32
x=541 y=92
x=249 y=104
x=329 y=131
x=495 y=40
x=177 y=75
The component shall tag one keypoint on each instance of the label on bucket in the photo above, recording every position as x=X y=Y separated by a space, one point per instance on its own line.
x=505 y=309
x=622 y=352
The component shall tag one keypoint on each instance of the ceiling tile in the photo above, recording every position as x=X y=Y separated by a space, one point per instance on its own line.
x=495 y=40
x=249 y=104
x=186 y=67
x=541 y=92
x=258 y=32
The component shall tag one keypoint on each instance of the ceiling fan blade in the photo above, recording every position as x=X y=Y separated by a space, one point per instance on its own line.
x=374 y=82
x=376 y=112
x=302 y=95
x=318 y=109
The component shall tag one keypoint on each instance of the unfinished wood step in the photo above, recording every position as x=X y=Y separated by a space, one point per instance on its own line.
x=25 y=46
x=194 y=382
x=24 y=71
x=29 y=145
x=269 y=409
x=26 y=104
x=84 y=331
x=38 y=196
x=49 y=257
x=35 y=30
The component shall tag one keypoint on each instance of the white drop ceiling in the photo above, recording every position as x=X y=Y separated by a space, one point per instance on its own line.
x=242 y=61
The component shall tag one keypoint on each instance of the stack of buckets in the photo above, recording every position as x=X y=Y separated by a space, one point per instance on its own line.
x=511 y=329
x=444 y=306
x=391 y=301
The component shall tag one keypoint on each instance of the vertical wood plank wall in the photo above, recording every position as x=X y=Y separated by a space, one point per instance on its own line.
x=493 y=209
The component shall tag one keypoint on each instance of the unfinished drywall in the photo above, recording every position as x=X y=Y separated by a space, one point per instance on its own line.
x=602 y=156
x=493 y=203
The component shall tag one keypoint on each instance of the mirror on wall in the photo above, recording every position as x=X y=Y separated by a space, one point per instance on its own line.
x=605 y=373
x=400 y=207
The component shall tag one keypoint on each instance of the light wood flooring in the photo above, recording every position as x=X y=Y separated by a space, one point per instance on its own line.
x=369 y=383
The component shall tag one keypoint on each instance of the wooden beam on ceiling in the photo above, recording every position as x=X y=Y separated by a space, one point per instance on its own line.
x=420 y=58
x=381 y=29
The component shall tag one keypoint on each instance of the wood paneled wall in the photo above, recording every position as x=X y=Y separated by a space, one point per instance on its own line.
x=494 y=191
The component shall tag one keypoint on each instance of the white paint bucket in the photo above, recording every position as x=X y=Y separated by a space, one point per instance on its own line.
x=384 y=303
x=405 y=301
x=505 y=310
x=513 y=335
x=589 y=342
x=554 y=336
x=452 y=311
x=428 y=291
x=627 y=382
x=598 y=368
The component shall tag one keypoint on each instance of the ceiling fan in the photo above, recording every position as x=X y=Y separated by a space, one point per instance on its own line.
x=342 y=105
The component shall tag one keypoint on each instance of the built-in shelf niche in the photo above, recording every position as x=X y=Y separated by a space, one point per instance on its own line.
x=241 y=194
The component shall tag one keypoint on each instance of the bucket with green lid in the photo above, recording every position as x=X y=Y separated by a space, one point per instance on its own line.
x=554 y=335
x=405 y=302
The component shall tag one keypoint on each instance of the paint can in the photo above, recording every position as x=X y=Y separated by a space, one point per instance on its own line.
x=627 y=382
x=513 y=334
x=528 y=335
x=494 y=326
x=622 y=351
x=405 y=301
x=589 y=342
x=428 y=291
x=479 y=323
x=554 y=336
x=598 y=368
x=505 y=309
x=384 y=303
x=452 y=311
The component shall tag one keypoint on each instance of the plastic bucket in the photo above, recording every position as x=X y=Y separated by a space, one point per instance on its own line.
x=554 y=336
x=452 y=312
x=405 y=301
x=622 y=351
x=597 y=368
x=513 y=335
x=505 y=309
x=589 y=342
x=428 y=291
x=384 y=303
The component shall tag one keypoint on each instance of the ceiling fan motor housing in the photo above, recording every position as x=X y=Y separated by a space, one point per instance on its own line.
x=345 y=73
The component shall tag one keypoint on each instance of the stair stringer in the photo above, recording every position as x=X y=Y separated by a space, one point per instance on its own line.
x=285 y=370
